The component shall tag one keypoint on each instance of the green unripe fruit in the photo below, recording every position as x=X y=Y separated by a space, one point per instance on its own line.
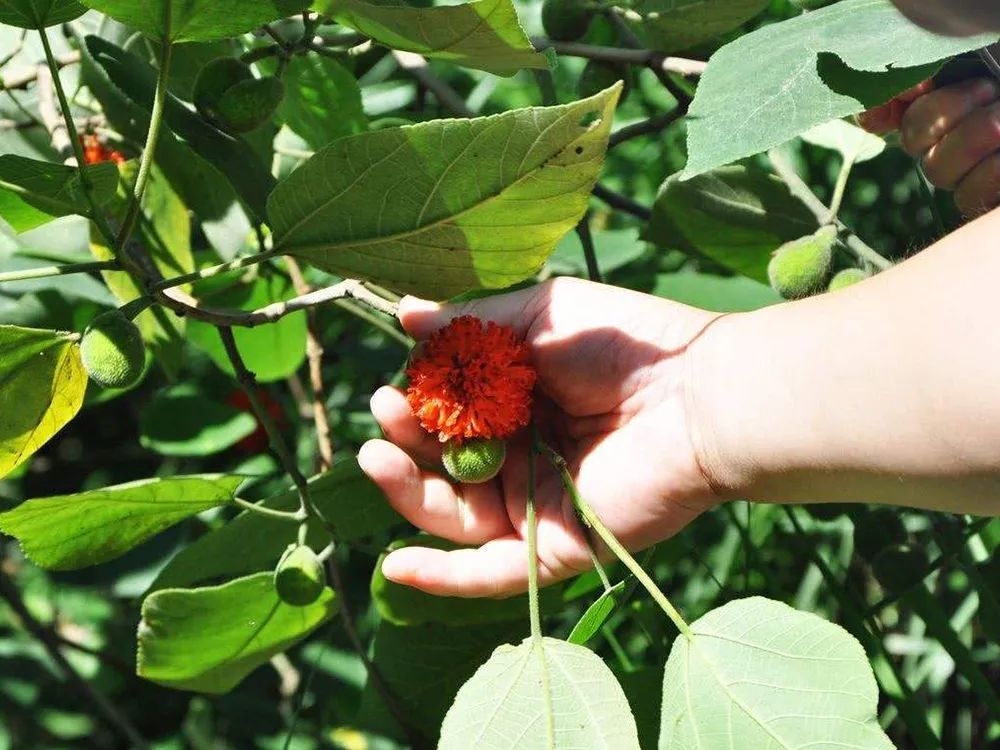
x=299 y=577
x=249 y=104
x=214 y=80
x=474 y=461
x=566 y=20
x=112 y=350
x=875 y=530
x=800 y=268
x=598 y=76
x=847 y=277
x=900 y=567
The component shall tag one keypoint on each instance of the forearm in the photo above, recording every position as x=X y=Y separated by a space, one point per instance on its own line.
x=885 y=392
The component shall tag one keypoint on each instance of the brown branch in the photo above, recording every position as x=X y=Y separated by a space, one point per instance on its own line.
x=314 y=353
x=622 y=202
x=417 y=67
x=12 y=595
x=52 y=118
x=646 y=127
x=25 y=79
x=652 y=59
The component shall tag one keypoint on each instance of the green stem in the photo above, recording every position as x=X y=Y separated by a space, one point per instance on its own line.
x=260 y=510
x=593 y=521
x=63 y=270
x=531 y=522
x=205 y=273
x=152 y=137
x=840 y=188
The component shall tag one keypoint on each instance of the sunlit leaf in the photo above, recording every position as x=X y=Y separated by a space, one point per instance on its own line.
x=446 y=206
x=322 y=100
x=483 y=34
x=782 y=79
x=758 y=673
x=66 y=532
x=541 y=694
x=42 y=384
x=33 y=192
x=209 y=639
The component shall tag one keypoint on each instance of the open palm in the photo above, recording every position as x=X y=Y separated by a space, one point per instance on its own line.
x=612 y=376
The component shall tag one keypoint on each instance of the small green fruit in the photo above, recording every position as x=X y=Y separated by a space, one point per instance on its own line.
x=214 y=80
x=474 y=461
x=566 y=20
x=900 y=567
x=249 y=104
x=299 y=577
x=800 y=268
x=598 y=76
x=847 y=277
x=112 y=350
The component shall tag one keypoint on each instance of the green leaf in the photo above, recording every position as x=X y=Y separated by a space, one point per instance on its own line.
x=33 y=192
x=271 y=352
x=850 y=141
x=135 y=79
x=322 y=100
x=614 y=248
x=541 y=694
x=250 y=542
x=643 y=688
x=196 y=20
x=446 y=206
x=758 y=673
x=672 y=25
x=34 y=14
x=596 y=615
x=66 y=532
x=405 y=605
x=181 y=421
x=718 y=293
x=42 y=384
x=737 y=216
x=484 y=34
x=425 y=666
x=781 y=80
x=209 y=639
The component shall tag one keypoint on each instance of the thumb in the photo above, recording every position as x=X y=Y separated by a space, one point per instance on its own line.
x=518 y=310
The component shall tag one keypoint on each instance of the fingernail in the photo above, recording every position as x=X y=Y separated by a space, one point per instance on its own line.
x=365 y=459
x=394 y=568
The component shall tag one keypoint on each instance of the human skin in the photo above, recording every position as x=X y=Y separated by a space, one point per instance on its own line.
x=953 y=17
x=885 y=392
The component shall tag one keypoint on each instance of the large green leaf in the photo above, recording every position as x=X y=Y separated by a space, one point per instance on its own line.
x=405 y=605
x=758 y=673
x=33 y=192
x=737 y=216
x=446 y=206
x=484 y=34
x=135 y=79
x=182 y=421
x=777 y=82
x=196 y=20
x=209 y=639
x=66 y=532
x=541 y=694
x=271 y=352
x=42 y=384
x=322 y=100
x=250 y=542
x=34 y=14
x=718 y=293
x=425 y=666
x=671 y=25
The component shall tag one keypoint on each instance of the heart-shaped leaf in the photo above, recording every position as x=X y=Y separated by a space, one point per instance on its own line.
x=544 y=693
x=66 y=532
x=42 y=384
x=209 y=639
x=446 y=206
x=757 y=673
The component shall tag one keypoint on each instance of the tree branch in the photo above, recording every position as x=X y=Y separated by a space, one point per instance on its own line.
x=622 y=202
x=417 y=67
x=652 y=59
x=25 y=79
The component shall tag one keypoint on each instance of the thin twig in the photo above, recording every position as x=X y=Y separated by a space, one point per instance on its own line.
x=633 y=56
x=10 y=593
x=414 y=737
x=314 y=353
x=62 y=270
x=52 y=120
x=25 y=79
x=645 y=127
x=417 y=67
x=628 y=37
x=622 y=202
x=589 y=254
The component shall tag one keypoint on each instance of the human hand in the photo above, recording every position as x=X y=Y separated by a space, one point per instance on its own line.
x=613 y=384
x=955 y=132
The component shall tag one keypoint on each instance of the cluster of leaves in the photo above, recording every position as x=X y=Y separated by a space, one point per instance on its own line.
x=350 y=159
